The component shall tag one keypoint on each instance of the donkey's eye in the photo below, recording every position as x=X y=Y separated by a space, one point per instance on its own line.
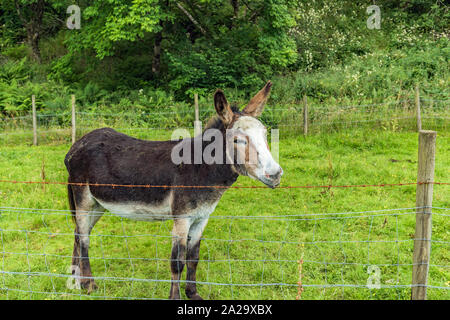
x=236 y=140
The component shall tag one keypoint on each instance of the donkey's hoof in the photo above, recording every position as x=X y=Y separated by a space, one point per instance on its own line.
x=90 y=286
x=195 y=296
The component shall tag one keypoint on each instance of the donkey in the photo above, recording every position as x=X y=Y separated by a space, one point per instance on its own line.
x=105 y=157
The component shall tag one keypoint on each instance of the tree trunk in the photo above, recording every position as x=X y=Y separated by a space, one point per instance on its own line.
x=33 y=40
x=235 y=4
x=156 y=64
x=32 y=18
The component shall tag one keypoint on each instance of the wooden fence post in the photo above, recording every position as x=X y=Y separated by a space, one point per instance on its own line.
x=424 y=202
x=33 y=105
x=418 y=114
x=305 y=115
x=74 y=128
x=197 y=123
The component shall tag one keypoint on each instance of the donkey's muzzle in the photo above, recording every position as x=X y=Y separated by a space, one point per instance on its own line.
x=273 y=180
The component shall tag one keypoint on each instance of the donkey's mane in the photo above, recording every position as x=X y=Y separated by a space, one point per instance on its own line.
x=216 y=123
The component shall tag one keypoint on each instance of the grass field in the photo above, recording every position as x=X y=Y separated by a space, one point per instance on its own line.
x=238 y=250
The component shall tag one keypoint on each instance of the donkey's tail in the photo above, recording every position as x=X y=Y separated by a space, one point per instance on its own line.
x=71 y=201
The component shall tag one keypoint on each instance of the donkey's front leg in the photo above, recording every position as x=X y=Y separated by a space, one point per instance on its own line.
x=179 y=242
x=192 y=256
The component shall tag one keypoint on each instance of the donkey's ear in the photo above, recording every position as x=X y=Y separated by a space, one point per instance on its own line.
x=256 y=105
x=222 y=106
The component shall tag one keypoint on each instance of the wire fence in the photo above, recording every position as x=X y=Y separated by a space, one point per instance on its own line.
x=345 y=255
x=275 y=255
x=390 y=115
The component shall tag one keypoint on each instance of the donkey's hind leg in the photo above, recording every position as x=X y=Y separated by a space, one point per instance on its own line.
x=76 y=246
x=88 y=212
x=75 y=267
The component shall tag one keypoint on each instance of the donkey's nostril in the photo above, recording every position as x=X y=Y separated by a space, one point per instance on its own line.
x=273 y=176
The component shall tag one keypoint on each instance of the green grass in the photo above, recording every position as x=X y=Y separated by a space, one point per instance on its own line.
x=335 y=251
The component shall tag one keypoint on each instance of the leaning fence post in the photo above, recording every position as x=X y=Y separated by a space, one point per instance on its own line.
x=74 y=128
x=197 y=123
x=305 y=115
x=33 y=105
x=418 y=115
x=424 y=202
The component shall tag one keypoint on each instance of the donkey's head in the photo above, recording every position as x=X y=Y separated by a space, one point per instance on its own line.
x=247 y=149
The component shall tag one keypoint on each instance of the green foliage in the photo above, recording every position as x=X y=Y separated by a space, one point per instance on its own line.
x=12 y=70
x=374 y=76
x=318 y=47
x=106 y=23
x=241 y=51
x=329 y=32
x=90 y=94
x=15 y=98
x=16 y=52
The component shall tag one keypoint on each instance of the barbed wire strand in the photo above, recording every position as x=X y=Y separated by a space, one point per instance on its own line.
x=113 y=185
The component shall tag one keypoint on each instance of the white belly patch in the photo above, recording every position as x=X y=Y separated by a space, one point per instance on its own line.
x=138 y=211
x=147 y=212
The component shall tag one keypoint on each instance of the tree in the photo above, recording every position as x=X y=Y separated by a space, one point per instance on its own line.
x=192 y=43
x=31 y=13
x=106 y=24
x=37 y=18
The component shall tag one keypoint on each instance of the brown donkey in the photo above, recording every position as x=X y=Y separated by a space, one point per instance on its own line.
x=105 y=156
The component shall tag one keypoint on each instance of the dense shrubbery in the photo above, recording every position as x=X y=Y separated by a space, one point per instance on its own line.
x=375 y=76
x=319 y=48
